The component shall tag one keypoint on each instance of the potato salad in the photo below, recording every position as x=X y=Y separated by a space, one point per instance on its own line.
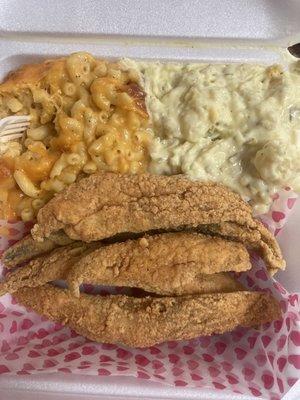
x=236 y=124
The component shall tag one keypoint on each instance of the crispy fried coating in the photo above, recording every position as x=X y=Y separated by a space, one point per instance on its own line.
x=142 y=322
x=47 y=268
x=106 y=204
x=168 y=264
x=27 y=248
x=258 y=239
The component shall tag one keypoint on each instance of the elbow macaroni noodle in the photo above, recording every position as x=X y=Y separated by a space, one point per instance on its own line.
x=87 y=115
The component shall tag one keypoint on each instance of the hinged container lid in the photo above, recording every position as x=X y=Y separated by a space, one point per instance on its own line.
x=271 y=21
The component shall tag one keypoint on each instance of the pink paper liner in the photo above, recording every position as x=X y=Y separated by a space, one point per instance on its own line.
x=260 y=362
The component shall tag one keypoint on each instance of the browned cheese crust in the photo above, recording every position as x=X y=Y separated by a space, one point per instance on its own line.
x=28 y=75
x=107 y=204
x=142 y=322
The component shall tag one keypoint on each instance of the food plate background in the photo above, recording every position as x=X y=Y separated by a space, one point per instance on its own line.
x=213 y=31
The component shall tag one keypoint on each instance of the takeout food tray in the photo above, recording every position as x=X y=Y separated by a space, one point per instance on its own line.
x=212 y=31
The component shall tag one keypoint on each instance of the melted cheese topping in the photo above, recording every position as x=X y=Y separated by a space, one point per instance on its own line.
x=86 y=114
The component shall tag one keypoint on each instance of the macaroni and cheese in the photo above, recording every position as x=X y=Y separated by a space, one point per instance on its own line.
x=86 y=114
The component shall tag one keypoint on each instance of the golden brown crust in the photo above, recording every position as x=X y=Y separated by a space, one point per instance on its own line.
x=24 y=250
x=142 y=322
x=167 y=264
x=47 y=268
x=140 y=203
x=27 y=248
x=259 y=239
x=136 y=203
x=31 y=76
x=28 y=75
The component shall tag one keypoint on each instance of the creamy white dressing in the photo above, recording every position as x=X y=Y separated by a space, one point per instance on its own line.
x=237 y=124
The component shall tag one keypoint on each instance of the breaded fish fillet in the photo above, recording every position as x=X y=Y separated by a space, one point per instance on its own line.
x=107 y=204
x=260 y=240
x=27 y=248
x=142 y=322
x=168 y=264
x=46 y=268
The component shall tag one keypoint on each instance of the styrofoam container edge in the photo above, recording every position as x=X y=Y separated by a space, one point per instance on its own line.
x=256 y=31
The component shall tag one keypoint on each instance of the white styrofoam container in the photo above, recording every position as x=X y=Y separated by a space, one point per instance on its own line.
x=214 y=31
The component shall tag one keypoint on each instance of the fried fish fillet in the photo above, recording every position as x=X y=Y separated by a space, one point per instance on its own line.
x=142 y=322
x=168 y=264
x=46 y=268
x=107 y=204
x=260 y=240
x=27 y=248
